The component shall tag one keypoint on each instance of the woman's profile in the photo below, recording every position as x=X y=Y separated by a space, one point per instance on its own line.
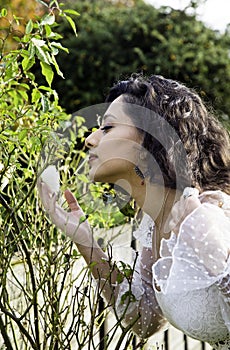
x=161 y=144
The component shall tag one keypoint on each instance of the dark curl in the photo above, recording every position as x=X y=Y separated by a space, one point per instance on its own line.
x=201 y=137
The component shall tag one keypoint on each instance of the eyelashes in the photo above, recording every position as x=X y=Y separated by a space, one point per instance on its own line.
x=106 y=128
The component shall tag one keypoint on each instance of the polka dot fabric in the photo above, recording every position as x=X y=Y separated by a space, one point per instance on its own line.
x=142 y=305
x=199 y=256
x=189 y=285
x=193 y=273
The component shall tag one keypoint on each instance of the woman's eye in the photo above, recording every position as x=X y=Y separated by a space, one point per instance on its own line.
x=106 y=128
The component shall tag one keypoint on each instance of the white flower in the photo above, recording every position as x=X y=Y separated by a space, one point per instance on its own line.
x=51 y=177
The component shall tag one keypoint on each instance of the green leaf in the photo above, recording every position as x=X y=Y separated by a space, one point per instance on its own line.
x=83 y=178
x=3 y=12
x=23 y=94
x=38 y=42
x=42 y=55
x=57 y=66
x=120 y=278
x=59 y=46
x=22 y=134
x=47 y=72
x=128 y=273
x=128 y=295
x=72 y=12
x=48 y=30
x=35 y=95
x=29 y=27
x=54 y=36
x=22 y=85
x=45 y=103
x=54 y=51
x=48 y=19
x=42 y=3
x=73 y=25
x=31 y=49
x=45 y=88
x=16 y=38
x=26 y=38
x=27 y=63
x=17 y=19
x=76 y=253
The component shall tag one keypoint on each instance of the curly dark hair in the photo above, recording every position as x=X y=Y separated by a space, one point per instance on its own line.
x=202 y=138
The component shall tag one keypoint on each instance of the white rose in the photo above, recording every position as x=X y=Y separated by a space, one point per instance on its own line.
x=51 y=177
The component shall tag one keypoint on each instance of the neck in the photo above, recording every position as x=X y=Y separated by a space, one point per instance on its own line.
x=155 y=200
x=159 y=202
x=158 y=205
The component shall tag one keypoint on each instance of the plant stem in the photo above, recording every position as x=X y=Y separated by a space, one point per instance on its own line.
x=5 y=335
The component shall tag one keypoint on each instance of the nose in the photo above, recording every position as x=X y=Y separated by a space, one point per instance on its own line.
x=93 y=139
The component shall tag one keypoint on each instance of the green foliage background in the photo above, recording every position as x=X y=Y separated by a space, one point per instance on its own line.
x=47 y=298
x=118 y=38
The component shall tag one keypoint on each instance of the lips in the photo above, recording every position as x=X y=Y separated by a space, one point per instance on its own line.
x=92 y=157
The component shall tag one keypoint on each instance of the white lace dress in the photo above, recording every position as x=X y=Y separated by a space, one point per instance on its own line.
x=191 y=280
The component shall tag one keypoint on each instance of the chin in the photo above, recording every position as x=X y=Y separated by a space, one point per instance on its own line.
x=108 y=173
x=97 y=176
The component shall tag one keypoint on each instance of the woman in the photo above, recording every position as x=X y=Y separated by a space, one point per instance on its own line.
x=160 y=144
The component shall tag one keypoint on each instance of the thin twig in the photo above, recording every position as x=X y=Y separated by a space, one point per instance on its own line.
x=32 y=277
x=5 y=335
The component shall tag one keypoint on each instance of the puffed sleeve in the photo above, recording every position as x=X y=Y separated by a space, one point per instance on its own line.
x=199 y=256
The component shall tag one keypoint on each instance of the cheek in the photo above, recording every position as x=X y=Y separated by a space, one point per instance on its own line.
x=119 y=149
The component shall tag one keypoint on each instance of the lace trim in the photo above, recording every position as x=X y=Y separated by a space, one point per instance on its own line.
x=145 y=231
x=224 y=286
x=221 y=345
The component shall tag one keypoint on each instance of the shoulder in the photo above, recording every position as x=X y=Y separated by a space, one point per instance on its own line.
x=209 y=205
x=217 y=198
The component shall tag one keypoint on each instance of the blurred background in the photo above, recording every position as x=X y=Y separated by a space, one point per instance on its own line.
x=177 y=39
x=214 y=13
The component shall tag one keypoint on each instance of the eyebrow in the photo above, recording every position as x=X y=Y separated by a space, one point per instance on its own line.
x=105 y=116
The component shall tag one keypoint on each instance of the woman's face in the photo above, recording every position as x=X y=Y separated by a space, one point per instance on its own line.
x=114 y=147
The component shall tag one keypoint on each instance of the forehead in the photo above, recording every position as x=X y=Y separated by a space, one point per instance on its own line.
x=117 y=112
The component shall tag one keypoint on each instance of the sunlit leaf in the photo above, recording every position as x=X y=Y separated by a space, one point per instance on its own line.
x=28 y=63
x=29 y=27
x=45 y=103
x=72 y=23
x=38 y=42
x=42 y=55
x=72 y=12
x=56 y=66
x=3 y=12
x=48 y=19
x=47 y=72
x=59 y=46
